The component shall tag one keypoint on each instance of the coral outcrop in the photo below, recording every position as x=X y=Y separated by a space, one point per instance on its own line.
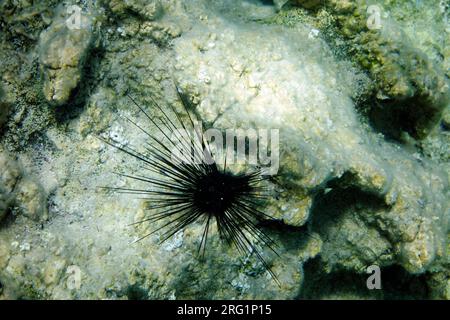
x=63 y=48
x=345 y=196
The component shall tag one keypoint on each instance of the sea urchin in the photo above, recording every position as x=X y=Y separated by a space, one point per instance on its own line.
x=197 y=190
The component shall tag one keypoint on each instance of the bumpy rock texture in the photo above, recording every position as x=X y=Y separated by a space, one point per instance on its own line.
x=62 y=51
x=305 y=98
x=412 y=90
x=19 y=192
x=346 y=197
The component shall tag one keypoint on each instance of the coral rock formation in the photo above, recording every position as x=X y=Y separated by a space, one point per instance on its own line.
x=63 y=48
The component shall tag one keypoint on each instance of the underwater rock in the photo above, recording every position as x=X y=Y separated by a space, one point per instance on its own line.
x=343 y=195
x=30 y=200
x=63 y=48
x=160 y=32
x=19 y=191
x=143 y=20
x=270 y=84
x=411 y=89
x=4 y=108
x=23 y=20
x=9 y=178
x=4 y=255
x=147 y=10
x=439 y=283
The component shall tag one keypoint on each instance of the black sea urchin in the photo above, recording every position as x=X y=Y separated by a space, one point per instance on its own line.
x=197 y=190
